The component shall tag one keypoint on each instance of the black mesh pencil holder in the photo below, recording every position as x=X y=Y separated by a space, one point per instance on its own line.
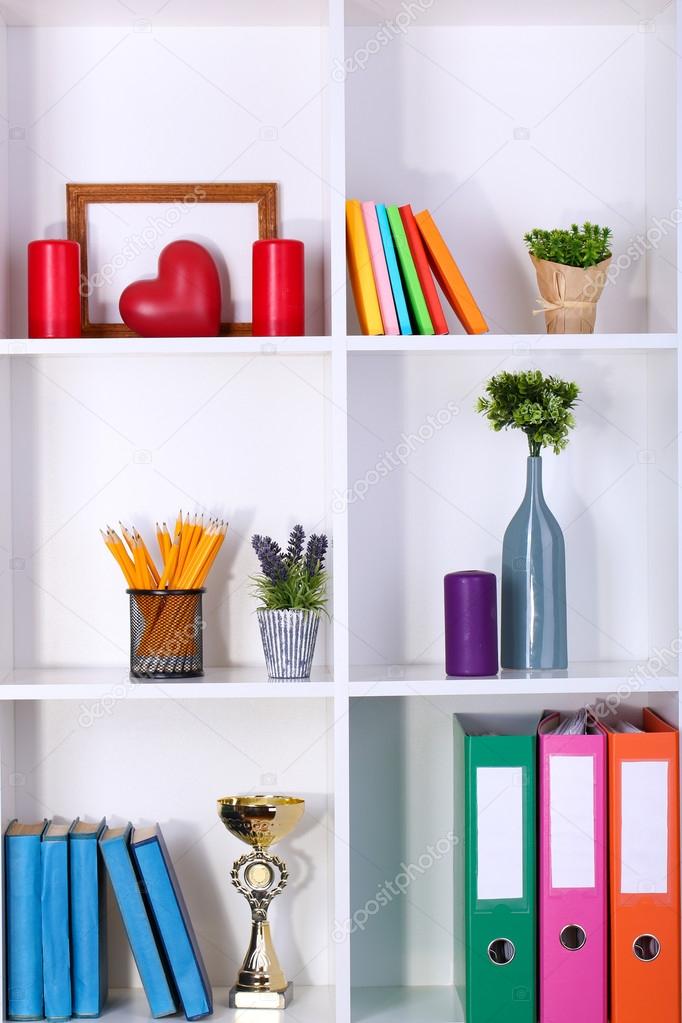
x=166 y=634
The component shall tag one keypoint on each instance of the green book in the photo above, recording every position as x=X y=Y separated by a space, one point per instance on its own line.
x=415 y=295
x=500 y=876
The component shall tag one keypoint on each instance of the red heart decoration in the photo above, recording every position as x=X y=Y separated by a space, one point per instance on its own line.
x=183 y=301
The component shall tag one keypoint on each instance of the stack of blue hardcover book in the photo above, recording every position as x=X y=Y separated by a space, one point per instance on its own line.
x=56 y=921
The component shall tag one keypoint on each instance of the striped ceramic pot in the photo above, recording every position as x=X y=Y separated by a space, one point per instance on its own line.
x=288 y=641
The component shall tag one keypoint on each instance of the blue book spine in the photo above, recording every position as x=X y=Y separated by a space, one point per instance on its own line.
x=148 y=960
x=393 y=270
x=55 y=928
x=23 y=928
x=88 y=926
x=174 y=926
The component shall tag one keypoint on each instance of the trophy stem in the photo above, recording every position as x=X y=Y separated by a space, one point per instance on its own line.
x=260 y=970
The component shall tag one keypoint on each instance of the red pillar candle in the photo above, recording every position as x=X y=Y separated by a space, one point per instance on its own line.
x=54 y=301
x=278 y=288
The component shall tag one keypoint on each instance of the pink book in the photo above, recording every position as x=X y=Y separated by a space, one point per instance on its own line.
x=380 y=269
x=573 y=880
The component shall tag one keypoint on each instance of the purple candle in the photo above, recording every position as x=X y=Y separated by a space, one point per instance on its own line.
x=471 y=623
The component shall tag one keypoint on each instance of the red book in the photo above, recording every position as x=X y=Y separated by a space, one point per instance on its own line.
x=428 y=286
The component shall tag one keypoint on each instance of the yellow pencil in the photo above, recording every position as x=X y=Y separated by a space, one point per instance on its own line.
x=198 y=558
x=119 y=558
x=148 y=558
x=170 y=564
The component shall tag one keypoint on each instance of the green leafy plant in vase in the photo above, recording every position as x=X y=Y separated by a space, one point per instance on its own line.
x=534 y=629
x=572 y=270
x=292 y=591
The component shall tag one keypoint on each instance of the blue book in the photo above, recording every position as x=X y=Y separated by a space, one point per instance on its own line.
x=22 y=920
x=164 y=896
x=89 y=981
x=393 y=271
x=114 y=844
x=54 y=859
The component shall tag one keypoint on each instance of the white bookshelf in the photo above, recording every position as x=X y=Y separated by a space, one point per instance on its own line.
x=499 y=118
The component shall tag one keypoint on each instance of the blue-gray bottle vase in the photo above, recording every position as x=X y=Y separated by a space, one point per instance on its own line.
x=534 y=583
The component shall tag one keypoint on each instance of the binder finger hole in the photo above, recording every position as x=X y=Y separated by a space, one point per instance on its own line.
x=573 y=937
x=646 y=947
x=501 y=951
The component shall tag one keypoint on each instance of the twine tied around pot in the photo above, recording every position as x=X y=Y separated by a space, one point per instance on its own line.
x=569 y=295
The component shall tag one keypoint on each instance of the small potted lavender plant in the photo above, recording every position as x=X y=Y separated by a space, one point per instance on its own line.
x=292 y=590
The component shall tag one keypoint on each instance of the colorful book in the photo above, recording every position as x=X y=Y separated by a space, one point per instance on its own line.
x=380 y=269
x=421 y=264
x=54 y=857
x=169 y=911
x=115 y=846
x=360 y=271
x=415 y=295
x=448 y=275
x=401 y=309
x=88 y=920
x=23 y=929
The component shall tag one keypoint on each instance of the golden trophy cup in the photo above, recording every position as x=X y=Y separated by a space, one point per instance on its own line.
x=260 y=821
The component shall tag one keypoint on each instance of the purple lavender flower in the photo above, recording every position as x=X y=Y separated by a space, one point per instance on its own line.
x=295 y=548
x=315 y=553
x=270 y=557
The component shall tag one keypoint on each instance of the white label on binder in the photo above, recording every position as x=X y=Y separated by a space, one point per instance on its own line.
x=644 y=826
x=571 y=821
x=499 y=806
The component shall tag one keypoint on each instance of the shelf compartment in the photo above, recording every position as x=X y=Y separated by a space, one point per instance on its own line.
x=523 y=157
x=137 y=438
x=169 y=761
x=406 y=1005
x=111 y=684
x=406 y=841
x=162 y=76
x=431 y=489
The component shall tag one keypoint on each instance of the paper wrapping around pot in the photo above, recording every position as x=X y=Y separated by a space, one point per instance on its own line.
x=569 y=295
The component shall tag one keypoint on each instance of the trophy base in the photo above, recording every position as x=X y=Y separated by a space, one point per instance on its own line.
x=240 y=999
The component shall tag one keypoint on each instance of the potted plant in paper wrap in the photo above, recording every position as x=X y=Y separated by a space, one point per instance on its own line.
x=533 y=553
x=571 y=268
x=292 y=589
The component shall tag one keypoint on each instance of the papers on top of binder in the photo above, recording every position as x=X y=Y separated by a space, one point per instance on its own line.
x=499 y=809
x=573 y=724
x=625 y=727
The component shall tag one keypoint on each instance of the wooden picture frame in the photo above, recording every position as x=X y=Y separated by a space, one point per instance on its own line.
x=80 y=197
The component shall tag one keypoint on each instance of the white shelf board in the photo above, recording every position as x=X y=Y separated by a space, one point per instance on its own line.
x=406 y=1005
x=310 y=1005
x=167 y=346
x=115 y=683
x=581 y=677
x=76 y=13
x=515 y=344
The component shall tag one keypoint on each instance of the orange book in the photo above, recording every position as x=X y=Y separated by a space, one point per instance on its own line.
x=645 y=872
x=360 y=271
x=448 y=275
